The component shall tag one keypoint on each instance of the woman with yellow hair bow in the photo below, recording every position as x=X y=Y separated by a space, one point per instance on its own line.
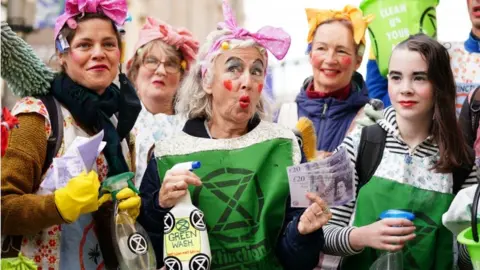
x=335 y=94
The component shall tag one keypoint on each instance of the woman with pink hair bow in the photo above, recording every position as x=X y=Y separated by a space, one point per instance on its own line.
x=242 y=184
x=162 y=57
x=51 y=211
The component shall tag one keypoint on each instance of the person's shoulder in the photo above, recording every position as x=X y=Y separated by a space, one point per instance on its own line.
x=277 y=128
x=29 y=105
x=354 y=135
x=35 y=105
x=451 y=44
x=453 y=47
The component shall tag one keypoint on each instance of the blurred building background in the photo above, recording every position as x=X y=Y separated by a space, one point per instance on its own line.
x=34 y=21
x=199 y=16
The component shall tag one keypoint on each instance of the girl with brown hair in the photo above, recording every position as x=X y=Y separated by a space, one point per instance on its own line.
x=425 y=161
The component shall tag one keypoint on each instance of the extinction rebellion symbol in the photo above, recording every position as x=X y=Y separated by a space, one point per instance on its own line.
x=196 y=219
x=428 y=22
x=172 y=263
x=182 y=225
x=228 y=185
x=169 y=223
x=199 y=262
x=137 y=244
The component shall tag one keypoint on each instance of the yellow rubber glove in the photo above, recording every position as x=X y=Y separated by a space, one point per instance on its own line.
x=79 y=196
x=129 y=201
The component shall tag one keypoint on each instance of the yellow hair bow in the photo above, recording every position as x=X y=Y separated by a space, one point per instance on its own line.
x=350 y=13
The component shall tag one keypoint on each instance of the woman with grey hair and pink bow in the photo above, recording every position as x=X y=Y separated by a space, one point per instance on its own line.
x=162 y=58
x=242 y=184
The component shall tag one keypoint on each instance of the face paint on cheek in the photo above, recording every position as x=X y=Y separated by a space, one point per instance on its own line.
x=316 y=61
x=75 y=57
x=228 y=85
x=260 y=87
x=346 y=61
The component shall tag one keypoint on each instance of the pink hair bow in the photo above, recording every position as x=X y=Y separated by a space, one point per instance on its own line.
x=180 y=38
x=116 y=10
x=275 y=40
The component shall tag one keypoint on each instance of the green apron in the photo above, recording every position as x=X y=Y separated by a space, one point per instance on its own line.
x=422 y=192
x=243 y=194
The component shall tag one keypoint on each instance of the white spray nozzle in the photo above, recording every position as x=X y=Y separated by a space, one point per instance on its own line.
x=191 y=165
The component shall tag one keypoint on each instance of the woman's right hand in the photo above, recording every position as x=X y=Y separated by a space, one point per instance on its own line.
x=387 y=234
x=175 y=185
x=78 y=197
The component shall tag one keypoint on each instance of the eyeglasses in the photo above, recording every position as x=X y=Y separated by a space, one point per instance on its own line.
x=152 y=64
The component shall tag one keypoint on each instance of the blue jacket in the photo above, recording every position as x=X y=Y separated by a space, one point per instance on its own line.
x=378 y=85
x=330 y=116
x=294 y=251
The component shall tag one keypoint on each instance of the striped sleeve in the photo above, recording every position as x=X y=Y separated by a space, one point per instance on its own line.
x=337 y=231
x=472 y=178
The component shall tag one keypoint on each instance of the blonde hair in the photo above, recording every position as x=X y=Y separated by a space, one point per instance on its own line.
x=191 y=100
x=170 y=51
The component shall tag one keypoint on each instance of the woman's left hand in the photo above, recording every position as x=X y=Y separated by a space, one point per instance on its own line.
x=315 y=216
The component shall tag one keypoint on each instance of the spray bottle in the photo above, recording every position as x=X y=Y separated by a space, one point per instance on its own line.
x=392 y=260
x=186 y=244
x=131 y=242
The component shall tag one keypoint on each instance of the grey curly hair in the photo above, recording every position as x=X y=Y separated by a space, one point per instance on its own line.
x=192 y=101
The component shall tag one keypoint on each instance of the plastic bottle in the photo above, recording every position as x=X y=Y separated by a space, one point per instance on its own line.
x=186 y=244
x=392 y=260
x=133 y=248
